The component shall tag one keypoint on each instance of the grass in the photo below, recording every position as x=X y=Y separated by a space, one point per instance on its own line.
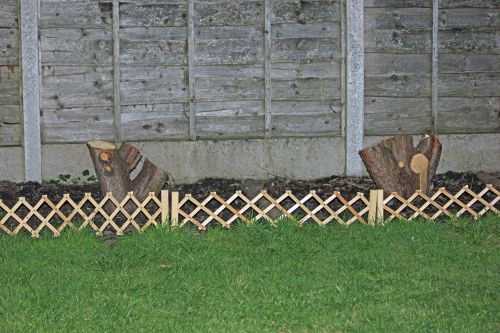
x=404 y=277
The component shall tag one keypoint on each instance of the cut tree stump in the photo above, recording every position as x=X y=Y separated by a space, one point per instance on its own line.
x=397 y=166
x=122 y=170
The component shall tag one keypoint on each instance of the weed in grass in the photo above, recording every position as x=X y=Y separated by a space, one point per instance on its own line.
x=405 y=276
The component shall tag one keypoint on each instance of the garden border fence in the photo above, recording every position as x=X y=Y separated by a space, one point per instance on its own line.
x=129 y=214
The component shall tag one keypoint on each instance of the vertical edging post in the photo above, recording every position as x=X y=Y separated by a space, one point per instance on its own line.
x=30 y=64
x=354 y=86
x=380 y=206
x=116 y=72
x=267 y=69
x=174 y=217
x=191 y=74
x=372 y=208
x=435 y=71
x=164 y=206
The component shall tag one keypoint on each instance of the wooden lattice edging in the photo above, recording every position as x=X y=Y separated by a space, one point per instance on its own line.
x=129 y=214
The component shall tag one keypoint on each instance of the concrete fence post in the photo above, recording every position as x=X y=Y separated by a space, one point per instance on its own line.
x=30 y=65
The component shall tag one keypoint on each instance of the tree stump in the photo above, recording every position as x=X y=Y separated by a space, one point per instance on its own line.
x=122 y=170
x=397 y=166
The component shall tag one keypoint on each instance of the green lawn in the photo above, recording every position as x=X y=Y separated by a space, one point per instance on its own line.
x=404 y=277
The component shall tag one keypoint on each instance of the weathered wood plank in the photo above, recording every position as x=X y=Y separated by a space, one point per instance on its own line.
x=415 y=85
x=306 y=107
x=236 y=12
x=305 y=50
x=10 y=114
x=329 y=69
x=241 y=71
x=390 y=63
x=306 y=89
x=65 y=46
x=314 y=30
x=398 y=18
x=469 y=115
x=398 y=3
x=228 y=32
x=154 y=126
x=158 y=52
x=398 y=41
x=9 y=85
x=8 y=16
x=229 y=89
x=77 y=14
x=305 y=11
x=469 y=85
x=153 y=15
x=9 y=46
x=468 y=62
x=469 y=41
x=153 y=90
x=153 y=33
x=328 y=124
x=230 y=108
x=67 y=90
x=67 y=132
x=469 y=18
x=391 y=116
x=10 y=134
x=172 y=109
x=229 y=51
x=242 y=126
x=142 y=72
x=469 y=4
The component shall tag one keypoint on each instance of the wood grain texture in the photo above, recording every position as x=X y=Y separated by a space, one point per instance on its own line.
x=469 y=18
x=469 y=85
x=224 y=13
x=415 y=85
x=305 y=125
x=469 y=115
x=9 y=46
x=305 y=50
x=306 y=11
x=143 y=14
x=306 y=89
x=468 y=62
x=398 y=3
x=398 y=41
x=466 y=41
x=10 y=76
x=390 y=63
x=398 y=18
x=77 y=14
x=153 y=126
x=8 y=15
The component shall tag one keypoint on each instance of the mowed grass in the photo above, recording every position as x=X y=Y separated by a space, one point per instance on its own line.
x=404 y=277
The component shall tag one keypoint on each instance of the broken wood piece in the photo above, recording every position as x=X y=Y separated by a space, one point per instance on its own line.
x=389 y=163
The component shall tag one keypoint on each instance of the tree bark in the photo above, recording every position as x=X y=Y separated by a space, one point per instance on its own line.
x=389 y=163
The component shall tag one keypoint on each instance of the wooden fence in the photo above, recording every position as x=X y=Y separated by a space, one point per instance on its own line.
x=109 y=214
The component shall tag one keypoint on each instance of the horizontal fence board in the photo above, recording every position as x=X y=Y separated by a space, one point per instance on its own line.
x=469 y=18
x=469 y=42
x=131 y=112
x=76 y=14
x=9 y=46
x=81 y=47
x=229 y=109
x=153 y=15
x=468 y=62
x=142 y=72
x=152 y=52
x=469 y=115
x=228 y=32
x=152 y=126
x=398 y=41
x=229 y=52
x=250 y=71
x=229 y=89
x=306 y=89
x=398 y=18
x=296 y=125
x=395 y=85
x=469 y=85
x=305 y=11
x=391 y=116
x=80 y=87
x=391 y=63
x=8 y=15
x=153 y=90
x=305 y=49
x=10 y=114
x=10 y=80
x=235 y=12
x=330 y=69
x=313 y=30
x=306 y=107
x=397 y=3
x=77 y=132
x=230 y=127
x=443 y=4
x=153 y=33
